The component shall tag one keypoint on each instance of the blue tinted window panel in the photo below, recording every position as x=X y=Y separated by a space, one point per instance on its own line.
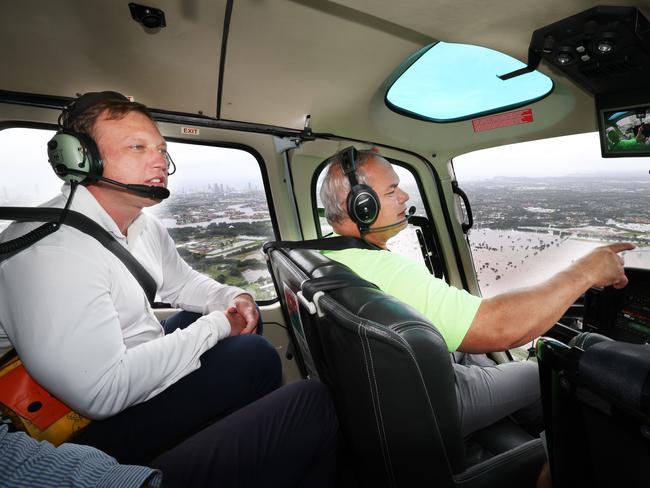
x=451 y=82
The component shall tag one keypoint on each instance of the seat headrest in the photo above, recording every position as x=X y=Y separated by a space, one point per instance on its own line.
x=618 y=371
x=587 y=339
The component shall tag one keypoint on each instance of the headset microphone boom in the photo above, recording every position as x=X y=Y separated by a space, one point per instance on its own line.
x=74 y=157
x=153 y=192
x=409 y=214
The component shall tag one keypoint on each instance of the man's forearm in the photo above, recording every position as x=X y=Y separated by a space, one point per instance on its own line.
x=518 y=317
x=515 y=318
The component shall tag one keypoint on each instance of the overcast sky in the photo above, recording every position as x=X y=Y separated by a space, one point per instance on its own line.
x=26 y=177
x=25 y=172
x=560 y=156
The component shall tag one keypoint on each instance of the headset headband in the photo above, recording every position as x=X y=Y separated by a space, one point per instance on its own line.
x=348 y=158
x=79 y=106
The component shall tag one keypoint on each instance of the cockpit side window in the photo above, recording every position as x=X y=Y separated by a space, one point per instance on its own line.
x=218 y=218
x=417 y=241
x=540 y=205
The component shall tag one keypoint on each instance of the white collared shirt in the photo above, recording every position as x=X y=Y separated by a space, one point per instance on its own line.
x=81 y=322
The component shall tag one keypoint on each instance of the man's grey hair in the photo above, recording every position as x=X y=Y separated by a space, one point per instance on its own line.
x=336 y=186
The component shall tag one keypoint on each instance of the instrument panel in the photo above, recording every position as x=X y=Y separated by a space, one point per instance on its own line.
x=624 y=314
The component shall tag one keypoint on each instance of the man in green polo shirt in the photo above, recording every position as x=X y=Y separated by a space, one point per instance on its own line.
x=637 y=143
x=486 y=391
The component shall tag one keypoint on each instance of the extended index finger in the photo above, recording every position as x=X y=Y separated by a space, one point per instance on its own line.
x=621 y=246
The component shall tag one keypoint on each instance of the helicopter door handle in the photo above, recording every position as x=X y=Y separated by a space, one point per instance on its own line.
x=470 y=218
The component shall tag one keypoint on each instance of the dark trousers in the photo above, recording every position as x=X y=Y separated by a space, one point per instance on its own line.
x=275 y=437
x=285 y=439
x=235 y=372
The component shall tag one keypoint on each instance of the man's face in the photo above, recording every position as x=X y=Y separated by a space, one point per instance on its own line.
x=133 y=152
x=383 y=179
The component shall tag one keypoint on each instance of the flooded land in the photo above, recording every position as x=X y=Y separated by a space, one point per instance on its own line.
x=527 y=229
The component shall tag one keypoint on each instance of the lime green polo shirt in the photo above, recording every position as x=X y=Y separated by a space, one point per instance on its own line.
x=451 y=310
x=630 y=145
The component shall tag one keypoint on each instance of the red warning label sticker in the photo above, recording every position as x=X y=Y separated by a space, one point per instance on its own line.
x=507 y=119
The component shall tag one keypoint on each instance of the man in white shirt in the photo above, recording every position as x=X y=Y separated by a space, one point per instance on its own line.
x=85 y=331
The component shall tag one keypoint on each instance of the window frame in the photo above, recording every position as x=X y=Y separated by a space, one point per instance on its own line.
x=470 y=246
x=425 y=203
x=18 y=124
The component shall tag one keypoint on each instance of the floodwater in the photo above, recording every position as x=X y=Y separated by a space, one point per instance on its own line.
x=510 y=259
x=248 y=217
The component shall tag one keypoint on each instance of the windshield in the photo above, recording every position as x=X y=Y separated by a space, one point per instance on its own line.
x=540 y=205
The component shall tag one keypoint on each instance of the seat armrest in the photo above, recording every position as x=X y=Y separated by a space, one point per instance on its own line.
x=523 y=463
x=499 y=437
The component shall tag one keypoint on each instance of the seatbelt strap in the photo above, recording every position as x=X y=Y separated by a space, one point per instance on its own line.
x=326 y=283
x=85 y=225
x=337 y=243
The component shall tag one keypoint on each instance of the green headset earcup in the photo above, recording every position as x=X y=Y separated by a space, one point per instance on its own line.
x=74 y=157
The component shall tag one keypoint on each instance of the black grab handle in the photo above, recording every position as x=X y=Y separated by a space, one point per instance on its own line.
x=470 y=218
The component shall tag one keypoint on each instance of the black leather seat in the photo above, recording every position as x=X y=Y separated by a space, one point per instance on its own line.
x=596 y=396
x=392 y=381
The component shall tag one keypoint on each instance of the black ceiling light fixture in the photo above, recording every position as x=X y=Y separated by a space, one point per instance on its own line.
x=603 y=49
x=151 y=18
x=565 y=56
x=605 y=43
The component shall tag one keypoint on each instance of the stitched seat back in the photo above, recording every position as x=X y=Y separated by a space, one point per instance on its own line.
x=388 y=369
x=288 y=278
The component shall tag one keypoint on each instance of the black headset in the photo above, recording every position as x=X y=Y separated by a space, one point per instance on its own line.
x=362 y=202
x=74 y=156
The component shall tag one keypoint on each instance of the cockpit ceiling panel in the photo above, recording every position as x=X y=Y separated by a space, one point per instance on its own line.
x=504 y=25
x=71 y=46
x=285 y=58
x=331 y=59
x=306 y=61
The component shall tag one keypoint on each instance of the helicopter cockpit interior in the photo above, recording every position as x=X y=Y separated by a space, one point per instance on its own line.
x=254 y=98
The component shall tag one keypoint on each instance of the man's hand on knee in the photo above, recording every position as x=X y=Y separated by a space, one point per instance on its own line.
x=237 y=322
x=244 y=306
